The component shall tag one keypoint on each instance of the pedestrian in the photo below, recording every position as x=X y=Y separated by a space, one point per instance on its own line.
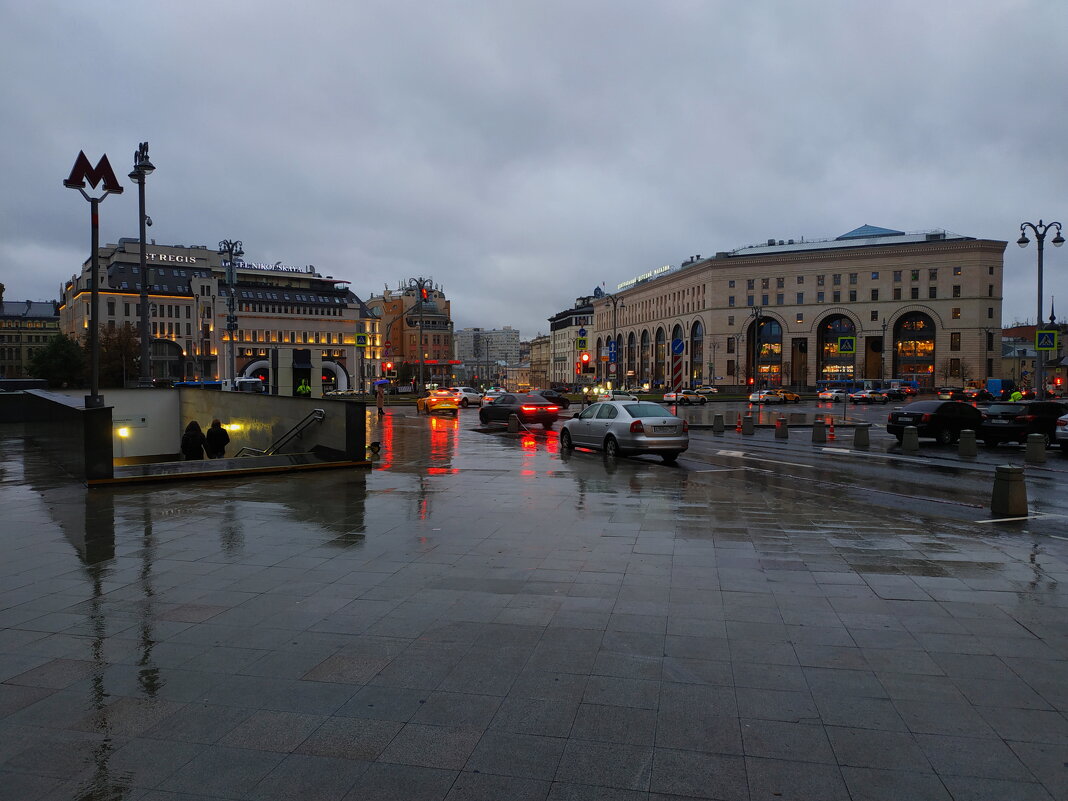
x=216 y=440
x=304 y=388
x=380 y=398
x=193 y=441
x=1016 y=396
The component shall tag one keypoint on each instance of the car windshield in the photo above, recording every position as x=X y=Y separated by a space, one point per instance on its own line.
x=1006 y=408
x=647 y=410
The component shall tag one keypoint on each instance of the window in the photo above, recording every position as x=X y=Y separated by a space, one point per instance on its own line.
x=989 y=341
x=821 y=297
x=730 y=366
x=750 y=283
x=748 y=300
x=954 y=341
x=763 y=300
x=800 y=279
x=730 y=284
x=778 y=298
x=852 y=278
x=800 y=298
x=932 y=292
x=799 y=317
x=111 y=308
x=956 y=290
x=932 y=274
x=852 y=296
x=875 y=316
x=836 y=296
x=780 y=283
x=819 y=280
x=897 y=293
x=730 y=320
x=875 y=294
x=875 y=276
x=836 y=279
x=730 y=300
x=956 y=271
x=915 y=275
x=765 y=283
x=126 y=309
x=914 y=293
x=990 y=270
x=954 y=367
x=990 y=312
x=990 y=290
x=897 y=276
x=730 y=344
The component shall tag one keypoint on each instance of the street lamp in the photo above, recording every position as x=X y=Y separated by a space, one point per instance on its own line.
x=712 y=364
x=142 y=168
x=882 y=352
x=757 y=315
x=422 y=295
x=1058 y=240
x=234 y=251
x=613 y=352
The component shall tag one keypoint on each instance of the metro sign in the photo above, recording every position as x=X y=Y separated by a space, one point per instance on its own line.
x=84 y=171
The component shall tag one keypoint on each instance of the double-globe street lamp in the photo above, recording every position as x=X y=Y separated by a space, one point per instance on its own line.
x=141 y=169
x=422 y=295
x=234 y=251
x=1058 y=240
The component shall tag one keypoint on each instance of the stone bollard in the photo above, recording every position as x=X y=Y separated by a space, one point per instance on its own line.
x=966 y=447
x=513 y=424
x=819 y=433
x=717 y=423
x=782 y=430
x=910 y=440
x=1036 y=449
x=861 y=435
x=1009 y=498
x=747 y=424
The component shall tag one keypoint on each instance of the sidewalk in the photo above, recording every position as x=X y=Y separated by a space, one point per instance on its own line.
x=477 y=618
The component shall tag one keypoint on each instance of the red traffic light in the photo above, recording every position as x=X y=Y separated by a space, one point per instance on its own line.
x=585 y=358
x=423 y=293
x=387 y=365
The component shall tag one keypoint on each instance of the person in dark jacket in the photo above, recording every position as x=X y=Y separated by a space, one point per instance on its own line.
x=193 y=441
x=216 y=440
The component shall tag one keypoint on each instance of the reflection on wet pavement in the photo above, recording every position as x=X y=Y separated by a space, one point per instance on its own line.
x=486 y=616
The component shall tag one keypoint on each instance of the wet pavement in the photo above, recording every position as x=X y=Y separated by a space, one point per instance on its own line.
x=483 y=617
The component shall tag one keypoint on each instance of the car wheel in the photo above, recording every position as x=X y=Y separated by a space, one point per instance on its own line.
x=482 y=418
x=464 y=403
x=944 y=436
x=670 y=458
x=565 y=441
x=611 y=447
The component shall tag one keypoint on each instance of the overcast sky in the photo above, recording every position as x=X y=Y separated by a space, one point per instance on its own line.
x=522 y=153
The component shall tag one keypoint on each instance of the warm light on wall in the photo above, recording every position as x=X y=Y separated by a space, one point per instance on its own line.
x=123 y=432
x=233 y=426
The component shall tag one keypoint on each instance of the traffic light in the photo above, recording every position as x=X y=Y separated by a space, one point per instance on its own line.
x=387 y=365
x=584 y=358
x=423 y=294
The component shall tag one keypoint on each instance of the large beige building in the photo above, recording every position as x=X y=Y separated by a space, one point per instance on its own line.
x=25 y=328
x=873 y=303
x=277 y=308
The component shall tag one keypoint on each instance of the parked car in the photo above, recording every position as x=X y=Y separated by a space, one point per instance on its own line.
x=627 y=427
x=466 y=396
x=1060 y=434
x=893 y=393
x=684 y=396
x=1013 y=422
x=491 y=395
x=707 y=390
x=440 y=401
x=617 y=394
x=952 y=393
x=942 y=420
x=834 y=395
x=868 y=396
x=530 y=409
x=552 y=395
x=774 y=396
x=977 y=394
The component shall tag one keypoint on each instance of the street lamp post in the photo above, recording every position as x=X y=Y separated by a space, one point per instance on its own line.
x=712 y=364
x=422 y=295
x=882 y=353
x=613 y=352
x=234 y=251
x=142 y=168
x=758 y=313
x=1040 y=235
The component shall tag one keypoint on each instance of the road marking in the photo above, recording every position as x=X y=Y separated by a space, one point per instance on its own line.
x=1025 y=517
x=730 y=453
x=721 y=470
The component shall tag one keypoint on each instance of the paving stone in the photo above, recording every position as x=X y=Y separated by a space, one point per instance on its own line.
x=431 y=746
x=518 y=755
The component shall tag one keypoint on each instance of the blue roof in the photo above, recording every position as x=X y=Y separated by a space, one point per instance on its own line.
x=866 y=231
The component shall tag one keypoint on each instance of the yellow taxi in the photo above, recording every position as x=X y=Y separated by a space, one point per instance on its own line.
x=440 y=401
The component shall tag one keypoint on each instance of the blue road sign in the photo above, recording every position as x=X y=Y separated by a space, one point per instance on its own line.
x=612 y=351
x=1045 y=340
x=677 y=346
x=582 y=332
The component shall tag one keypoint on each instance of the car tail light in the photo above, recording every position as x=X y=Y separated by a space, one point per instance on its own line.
x=925 y=419
x=1026 y=418
x=637 y=428
x=552 y=408
x=1062 y=422
x=685 y=426
x=529 y=408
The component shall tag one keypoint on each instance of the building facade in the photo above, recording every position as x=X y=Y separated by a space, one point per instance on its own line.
x=483 y=345
x=416 y=332
x=25 y=328
x=564 y=337
x=540 y=360
x=277 y=308
x=872 y=303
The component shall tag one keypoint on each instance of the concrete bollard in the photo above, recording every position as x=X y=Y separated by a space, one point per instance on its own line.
x=513 y=424
x=1009 y=498
x=861 y=435
x=782 y=430
x=966 y=447
x=910 y=440
x=717 y=423
x=819 y=433
x=1036 y=449
x=747 y=424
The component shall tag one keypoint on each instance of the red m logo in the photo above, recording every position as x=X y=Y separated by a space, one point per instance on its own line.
x=84 y=171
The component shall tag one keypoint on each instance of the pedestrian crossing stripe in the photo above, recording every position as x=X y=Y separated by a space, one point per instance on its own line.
x=1046 y=340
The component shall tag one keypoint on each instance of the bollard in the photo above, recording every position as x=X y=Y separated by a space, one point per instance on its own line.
x=830 y=432
x=1036 y=449
x=782 y=430
x=910 y=440
x=717 y=423
x=1009 y=498
x=861 y=435
x=513 y=424
x=819 y=433
x=738 y=428
x=747 y=424
x=966 y=447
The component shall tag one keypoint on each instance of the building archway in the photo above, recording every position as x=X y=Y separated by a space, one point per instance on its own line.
x=697 y=353
x=645 y=374
x=764 y=352
x=630 y=373
x=660 y=358
x=914 y=348
x=832 y=364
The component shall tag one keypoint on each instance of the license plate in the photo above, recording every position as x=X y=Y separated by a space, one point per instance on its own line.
x=904 y=419
x=663 y=429
x=998 y=422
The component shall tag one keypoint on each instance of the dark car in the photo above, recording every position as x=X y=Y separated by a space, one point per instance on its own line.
x=951 y=393
x=942 y=420
x=1012 y=422
x=554 y=397
x=893 y=393
x=530 y=409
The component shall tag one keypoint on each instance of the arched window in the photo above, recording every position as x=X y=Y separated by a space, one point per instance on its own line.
x=645 y=369
x=630 y=373
x=914 y=348
x=834 y=365
x=660 y=358
x=764 y=352
x=697 y=353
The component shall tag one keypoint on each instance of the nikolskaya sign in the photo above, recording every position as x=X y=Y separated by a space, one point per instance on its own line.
x=644 y=277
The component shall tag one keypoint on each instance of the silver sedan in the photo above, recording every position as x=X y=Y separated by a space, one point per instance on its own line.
x=627 y=427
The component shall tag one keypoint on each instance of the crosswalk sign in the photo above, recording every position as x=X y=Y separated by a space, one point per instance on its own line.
x=1045 y=339
x=361 y=341
x=580 y=343
x=847 y=344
